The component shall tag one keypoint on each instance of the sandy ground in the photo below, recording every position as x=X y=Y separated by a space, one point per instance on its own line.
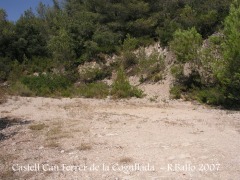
x=137 y=139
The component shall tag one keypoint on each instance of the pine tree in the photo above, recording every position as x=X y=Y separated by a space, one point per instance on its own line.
x=230 y=77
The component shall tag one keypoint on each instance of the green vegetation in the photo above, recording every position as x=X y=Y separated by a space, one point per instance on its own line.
x=94 y=74
x=46 y=85
x=78 y=31
x=214 y=70
x=2 y=95
x=230 y=76
x=121 y=87
x=40 y=53
x=212 y=96
x=150 y=67
x=93 y=90
x=185 y=45
x=176 y=91
x=20 y=89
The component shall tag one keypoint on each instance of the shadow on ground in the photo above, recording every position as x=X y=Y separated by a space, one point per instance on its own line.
x=7 y=122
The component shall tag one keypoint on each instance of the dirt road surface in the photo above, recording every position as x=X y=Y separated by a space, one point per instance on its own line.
x=137 y=139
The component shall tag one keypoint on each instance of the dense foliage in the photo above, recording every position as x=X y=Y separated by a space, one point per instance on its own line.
x=55 y=40
x=78 y=30
x=213 y=68
x=230 y=76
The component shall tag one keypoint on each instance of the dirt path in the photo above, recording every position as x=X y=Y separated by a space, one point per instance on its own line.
x=105 y=139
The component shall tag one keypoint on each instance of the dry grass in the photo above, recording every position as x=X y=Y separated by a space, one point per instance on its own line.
x=85 y=147
x=153 y=99
x=126 y=160
x=57 y=133
x=54 y=131
x=84 y=129
x=5 y=158
x=52 y=144
x=7 y=174
x=5 y=170
x=37 y=127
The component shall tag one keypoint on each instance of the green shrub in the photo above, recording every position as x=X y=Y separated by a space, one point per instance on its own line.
x=94 y=74
x=216 y=39
x=144 y=41
x=28 y=67
x=151 y=66
x=166 y=32
x=38 y=64
x=185 y=45
x=155 y=69
x=212 y=96
x=16 y=73
x=20 y=89
x=5 y=68
x=121 y=87
x=93 y=90
x=142 y=79
x=129 y=59
x=130 y=43
x=157 y=77
x=230 y=74
x=211 y=58
x=177 y=71
x=176 y=91
x=106 y=40
x=46 y=85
